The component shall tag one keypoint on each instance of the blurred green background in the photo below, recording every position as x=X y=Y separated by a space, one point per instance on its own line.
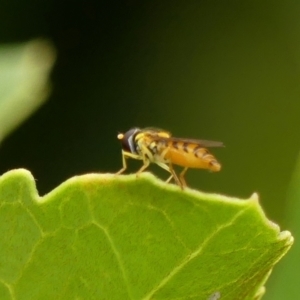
x=219 y=70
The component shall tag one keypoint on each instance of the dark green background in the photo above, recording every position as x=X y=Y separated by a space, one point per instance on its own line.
x=220 y=70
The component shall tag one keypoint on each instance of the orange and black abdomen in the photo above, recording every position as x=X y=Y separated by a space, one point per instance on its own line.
x=191 y=155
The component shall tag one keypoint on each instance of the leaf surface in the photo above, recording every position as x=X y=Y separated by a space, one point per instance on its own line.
x=102 y=236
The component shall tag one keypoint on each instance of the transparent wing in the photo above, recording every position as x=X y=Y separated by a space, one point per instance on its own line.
x=204 y=143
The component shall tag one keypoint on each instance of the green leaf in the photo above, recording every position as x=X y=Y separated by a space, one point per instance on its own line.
x=122 y=237
x=24 y=72
x=286 y=281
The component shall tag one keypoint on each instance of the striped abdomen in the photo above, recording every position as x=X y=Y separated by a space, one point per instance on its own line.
x=191 y=155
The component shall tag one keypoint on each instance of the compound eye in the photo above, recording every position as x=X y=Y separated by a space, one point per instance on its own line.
x=127 y=140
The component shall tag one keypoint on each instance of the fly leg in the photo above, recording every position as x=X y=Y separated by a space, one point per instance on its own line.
x=124 y=156
x=147 y=155
x=174 y=175
x=181 y=177
x=144 y=166
x=170 y=169
x=169 y=179
x=124 y=164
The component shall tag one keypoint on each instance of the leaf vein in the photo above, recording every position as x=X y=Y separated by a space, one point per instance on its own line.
x=191 y=256
x=118 y=257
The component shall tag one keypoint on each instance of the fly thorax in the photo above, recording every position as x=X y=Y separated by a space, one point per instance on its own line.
x=160 y=151
x=138 y=149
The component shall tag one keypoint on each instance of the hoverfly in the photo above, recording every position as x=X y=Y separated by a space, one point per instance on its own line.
x=152 y=145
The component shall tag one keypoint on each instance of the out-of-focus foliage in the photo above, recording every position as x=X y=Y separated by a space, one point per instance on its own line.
x=24 y=86
x=219 y=70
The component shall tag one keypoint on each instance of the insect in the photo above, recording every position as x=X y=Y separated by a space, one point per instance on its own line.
x=152 y=145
